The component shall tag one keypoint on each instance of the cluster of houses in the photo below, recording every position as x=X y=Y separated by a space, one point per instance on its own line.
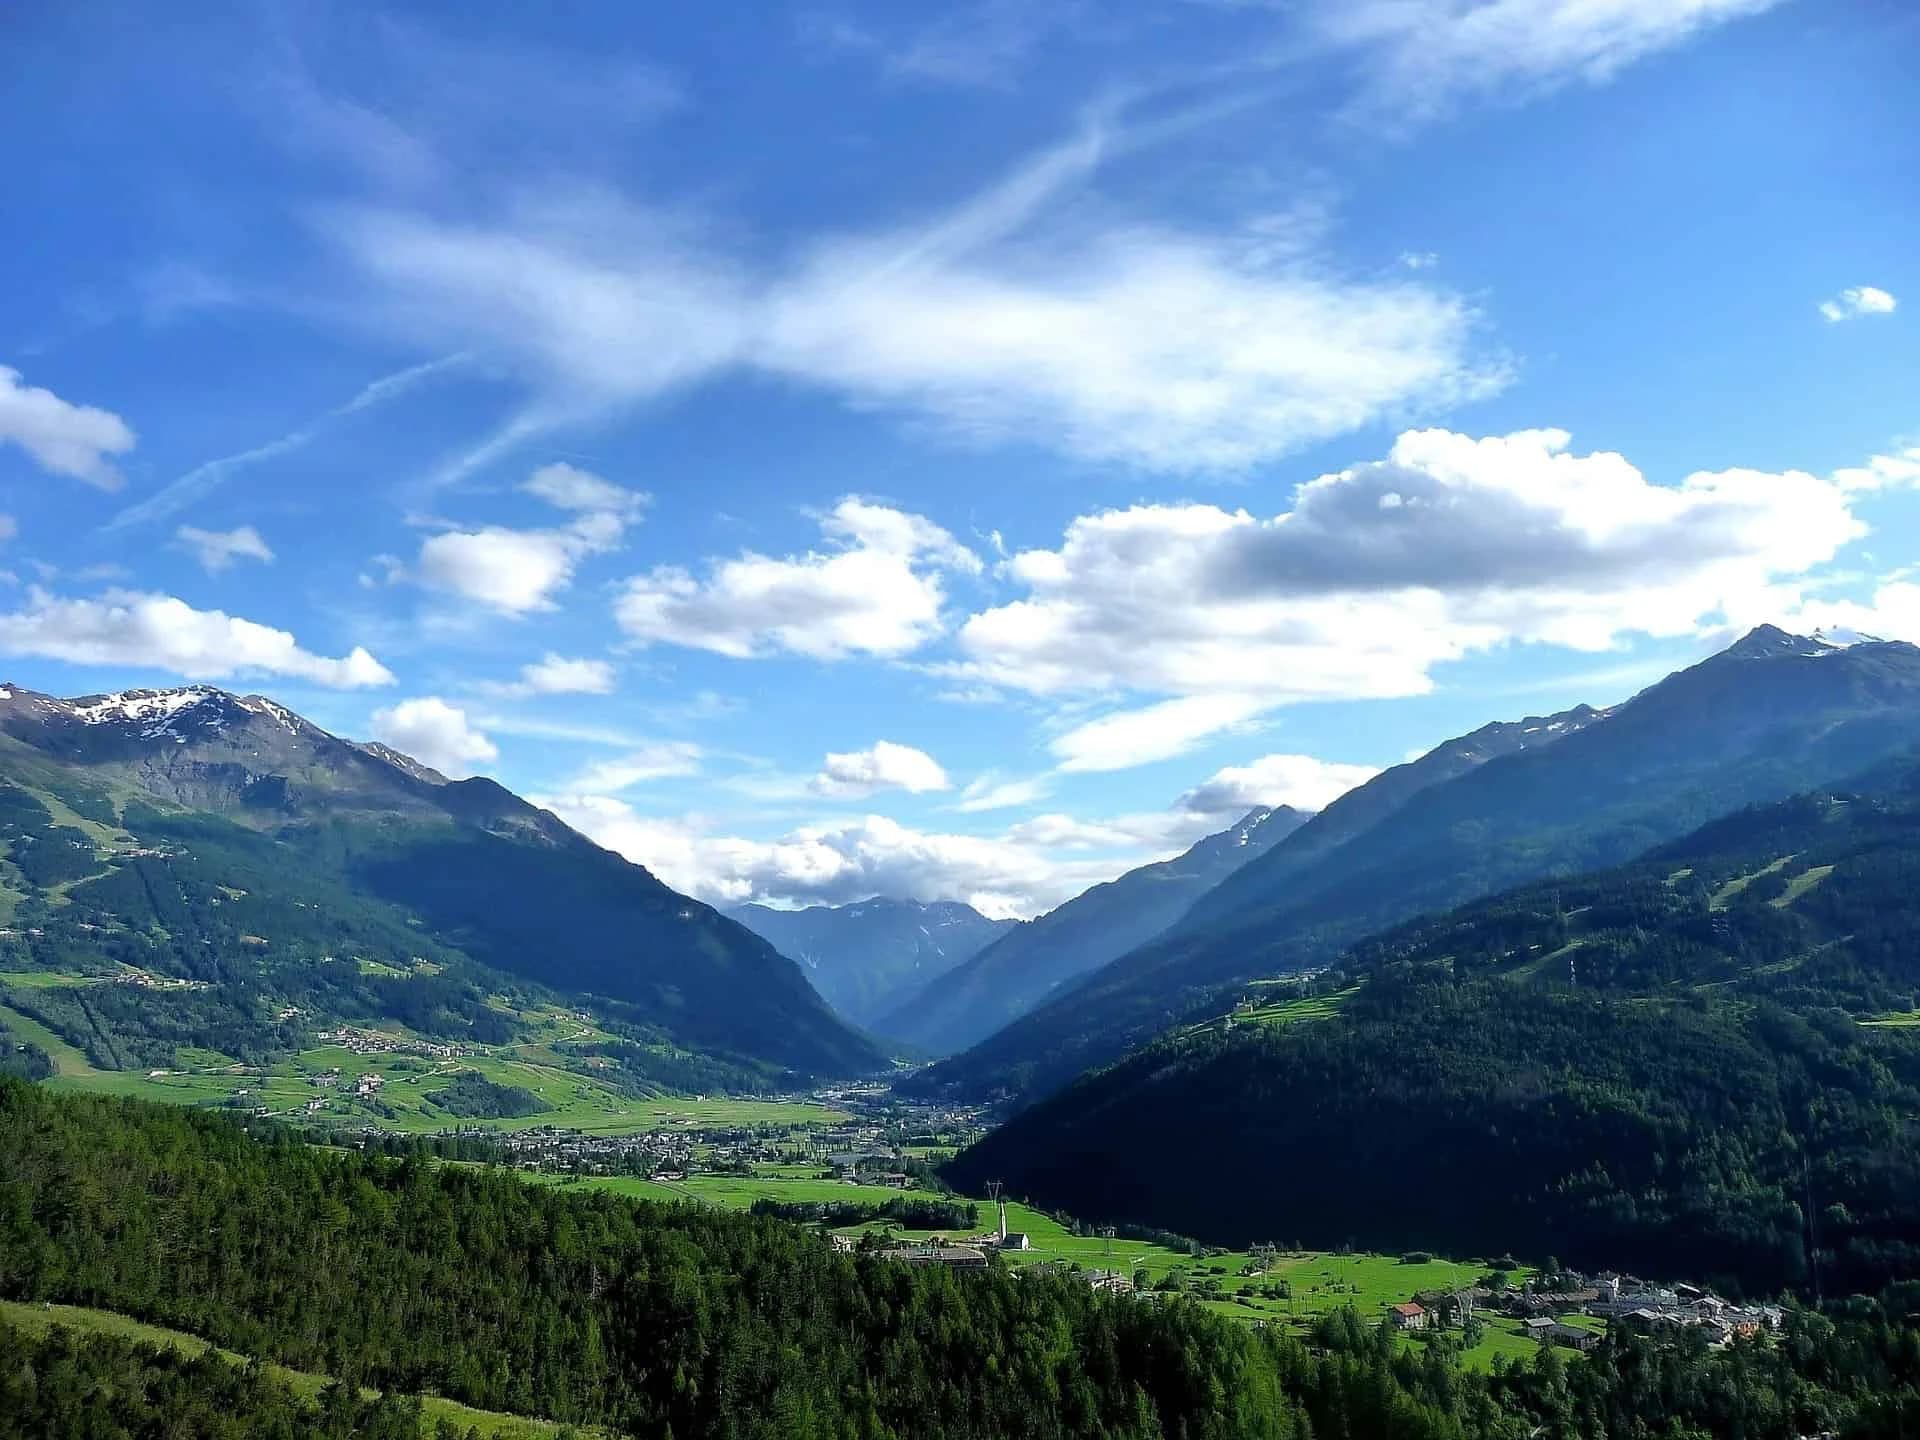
x=660 y=1154
x=1616 y=1299
x=379 y=1042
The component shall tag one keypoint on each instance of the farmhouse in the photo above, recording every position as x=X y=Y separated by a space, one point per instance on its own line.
x=1409 y=1316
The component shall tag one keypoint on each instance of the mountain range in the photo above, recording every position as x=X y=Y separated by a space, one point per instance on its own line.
x=1028 y=964
x=866 y=958
x=1767 y=717
x=1705 y=1063
x=268 y=876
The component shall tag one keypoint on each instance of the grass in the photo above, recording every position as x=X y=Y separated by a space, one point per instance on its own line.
x=68 y=1061
x=404 y=1101
x=38 y=1319
x=1801 y=884
x=1725 y=895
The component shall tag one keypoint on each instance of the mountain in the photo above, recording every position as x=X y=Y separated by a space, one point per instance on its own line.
x=1026 y=965
x=253 y=866
x=865 y=958
x=1761 y=720
x=1705 y=1063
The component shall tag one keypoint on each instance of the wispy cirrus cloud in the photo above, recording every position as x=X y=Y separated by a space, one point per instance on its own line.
x=986 y=322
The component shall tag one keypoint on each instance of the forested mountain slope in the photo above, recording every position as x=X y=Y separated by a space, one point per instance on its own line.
x=266 y=877
x=645 y=1320
x=1768 y=717
x=867 y=957
x=1706 y=1063
x=1024 y=967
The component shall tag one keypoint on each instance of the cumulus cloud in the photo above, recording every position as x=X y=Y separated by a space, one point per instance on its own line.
x=134 y=630
x=567 y=487
x=981 y=321
x=876 y=589
x=519 y=571
x=436 y=734
x=217 y=550
x=842 y=862
x=63 y=438
x=882 y=766
x=1421 y=56
x=1377 y=573
x=1881 y=472
x=1301 y=781
x=1858 y=300
x=560 y=675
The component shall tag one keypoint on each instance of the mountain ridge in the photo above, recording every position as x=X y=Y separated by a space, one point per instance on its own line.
x=1007 y=978
x=867 y=956
x=1733 y=729
x=172 y=785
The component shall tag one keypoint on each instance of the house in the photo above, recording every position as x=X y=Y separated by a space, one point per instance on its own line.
x=957 y=1257
x=1538 y=1328
x=1014 y=1240
x=1410 y=1316
x=1111 y=1281
x=1571 y=1336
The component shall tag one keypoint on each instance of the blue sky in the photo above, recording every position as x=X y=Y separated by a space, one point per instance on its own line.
x=955 y=451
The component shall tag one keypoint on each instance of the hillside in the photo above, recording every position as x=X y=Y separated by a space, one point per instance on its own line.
x=867 y=957
x=193 y=868
x=1028 y=964
x=1760 y=721
x=1703 y=1064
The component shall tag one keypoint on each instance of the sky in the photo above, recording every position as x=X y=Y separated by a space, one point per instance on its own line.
x=953 y=451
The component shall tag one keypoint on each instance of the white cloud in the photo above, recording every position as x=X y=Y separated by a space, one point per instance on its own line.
x=1892 y=612
x=655 y=760
x=1420 y=56
x=1155 y=732
x=436 y=734
x=519 y=571
x=1882 y=472
x=216 y=550
x=567 y=487
x=1857 y=300
x=877 y=591
x=882 y=766
x=63 y=438
x=1379 y=572
x=559 y=675
x=1301 y=781
x=133 y=630
x=843 y=862
x=992 y=792
x=980 y=321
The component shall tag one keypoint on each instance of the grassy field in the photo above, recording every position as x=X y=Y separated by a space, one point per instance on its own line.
x=1724 y=895
x=1801 y=884
x=38 y=1319
x=404 y=1101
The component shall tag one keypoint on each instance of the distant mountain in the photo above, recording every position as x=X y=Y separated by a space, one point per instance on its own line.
x=867 y=957
x=1769 y=716
x=1024 y=967
x=225 y=841
x=1705 y=1064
